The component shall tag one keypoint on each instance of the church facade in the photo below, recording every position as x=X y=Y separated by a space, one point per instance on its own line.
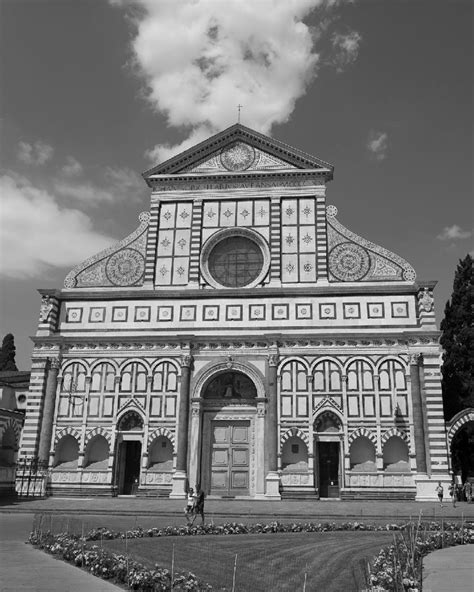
x=243 y=339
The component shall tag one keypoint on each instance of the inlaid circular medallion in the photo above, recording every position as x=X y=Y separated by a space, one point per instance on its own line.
x=349 y=262
x=125 y=268
x=237 y=157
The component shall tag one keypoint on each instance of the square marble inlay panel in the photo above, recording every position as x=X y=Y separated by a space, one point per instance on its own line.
x=234 y=312
x=280 y=312
x=165 y=313
x=257 y=312
x=327 y=310
x=188 y=313
x=119 y=314
x=351 y=310
x=304 y=311
x=210 y=313
x=74 y=315
x=142 y=314
x=97 y=314
x=399 y=309
x=375 y=310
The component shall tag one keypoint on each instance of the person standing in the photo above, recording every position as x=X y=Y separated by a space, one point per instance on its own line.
x=188 y=510
x=199 y=504
x=440 y=492
x=468 y=491
x=452 y=493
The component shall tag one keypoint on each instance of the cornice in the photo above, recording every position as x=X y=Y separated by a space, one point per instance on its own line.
x=140 y=293
x=179 y=343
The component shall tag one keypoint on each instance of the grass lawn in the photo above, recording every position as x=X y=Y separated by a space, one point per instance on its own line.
x=333 y=561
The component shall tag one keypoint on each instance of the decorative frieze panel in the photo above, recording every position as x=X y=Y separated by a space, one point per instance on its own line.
x=354 y=259
x=298 y=240
x=173 y=244
x=387 y=480
x=211 y=313
x=241 y=213
x=123 y=264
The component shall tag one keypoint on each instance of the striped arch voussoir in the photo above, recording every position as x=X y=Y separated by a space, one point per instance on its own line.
x=394 y=432
x=69 y=431
x=99 y=431
x=161 y=432
x=363 y=432
x=15 y=427
x=459 y=421
x=295 y=432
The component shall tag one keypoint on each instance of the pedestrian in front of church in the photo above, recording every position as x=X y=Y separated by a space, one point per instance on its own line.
x=188 y=510
x=452 y=493
x=199 y=504
x=440 y=492
x=468 y=491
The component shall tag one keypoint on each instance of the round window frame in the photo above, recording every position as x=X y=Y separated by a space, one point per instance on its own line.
x=224 y=234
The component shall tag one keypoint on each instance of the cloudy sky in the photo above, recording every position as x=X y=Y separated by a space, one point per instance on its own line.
x=95 y=92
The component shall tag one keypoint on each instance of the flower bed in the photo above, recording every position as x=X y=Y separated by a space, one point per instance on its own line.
x=396 y=568
x=111 y=566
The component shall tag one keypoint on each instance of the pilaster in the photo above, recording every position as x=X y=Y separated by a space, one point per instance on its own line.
x=48 y=410
x=271 y=440
x=180 y=475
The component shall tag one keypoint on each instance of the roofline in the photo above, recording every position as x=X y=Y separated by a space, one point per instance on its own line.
x=182 y=158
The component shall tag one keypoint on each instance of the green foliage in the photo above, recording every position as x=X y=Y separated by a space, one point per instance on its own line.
x=457 y=341
x=7 y=354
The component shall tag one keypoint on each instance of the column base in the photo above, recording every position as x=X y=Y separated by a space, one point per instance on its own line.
x=179 y=485
x=272 y=486
x=426 y=487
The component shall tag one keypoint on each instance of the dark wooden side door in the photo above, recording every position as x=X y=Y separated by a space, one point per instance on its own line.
x=328 y=464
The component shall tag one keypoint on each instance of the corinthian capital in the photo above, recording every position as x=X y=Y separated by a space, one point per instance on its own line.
x=186 y=361
x=415 y=358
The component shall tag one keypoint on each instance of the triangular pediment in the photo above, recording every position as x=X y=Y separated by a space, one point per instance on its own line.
x=239 y=149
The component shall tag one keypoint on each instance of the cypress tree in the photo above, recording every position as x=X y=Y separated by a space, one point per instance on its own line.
x=457 y=341
x=7 y=354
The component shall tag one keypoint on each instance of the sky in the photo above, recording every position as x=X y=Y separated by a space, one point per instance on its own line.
x=93 y=92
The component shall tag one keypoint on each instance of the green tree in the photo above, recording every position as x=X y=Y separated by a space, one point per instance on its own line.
x=7 y=354
x=457 y=341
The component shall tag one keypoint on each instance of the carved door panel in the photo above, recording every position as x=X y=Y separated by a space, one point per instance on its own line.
x=230 y=458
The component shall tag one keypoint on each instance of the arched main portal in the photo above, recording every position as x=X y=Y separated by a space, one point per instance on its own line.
x=228 y=465
x=461 y=445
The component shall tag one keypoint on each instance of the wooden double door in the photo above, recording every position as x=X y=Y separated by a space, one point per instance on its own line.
x=230 y=458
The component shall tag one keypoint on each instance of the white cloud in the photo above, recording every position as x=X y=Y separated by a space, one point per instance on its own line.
x=84 y=192
x=201 y=58
x=38 y=234
x=117 y=185
x=454 y=232
x=72 y=168
x=37 y=153
x=346 y=48
x=377 y=144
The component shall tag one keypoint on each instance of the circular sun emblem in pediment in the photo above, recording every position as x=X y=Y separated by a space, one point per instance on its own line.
x=125 y=268
x=349 y=262
x=237 y=157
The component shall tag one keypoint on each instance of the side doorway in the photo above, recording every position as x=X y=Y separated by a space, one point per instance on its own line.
x=128 y=467
x=328 y=468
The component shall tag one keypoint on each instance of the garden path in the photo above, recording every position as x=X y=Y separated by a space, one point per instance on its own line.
x=26 y=569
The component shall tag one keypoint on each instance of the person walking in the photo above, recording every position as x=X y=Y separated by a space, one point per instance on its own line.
x=440 y=491
x=452 y=493
x=199 y=504
x=468 y=491
x=189 y=509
